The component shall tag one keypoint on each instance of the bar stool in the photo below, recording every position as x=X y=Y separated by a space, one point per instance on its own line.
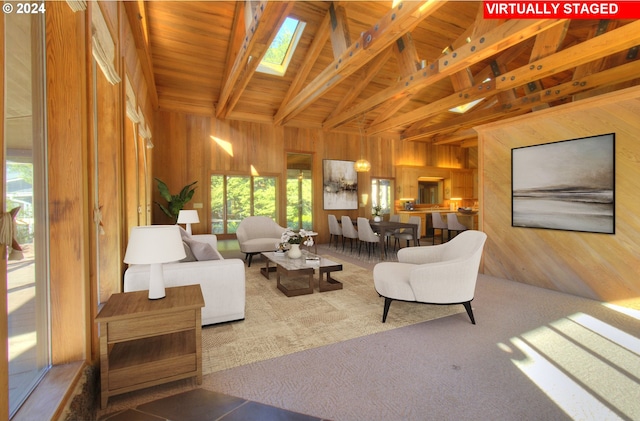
x=438 y=224
x=453 y=225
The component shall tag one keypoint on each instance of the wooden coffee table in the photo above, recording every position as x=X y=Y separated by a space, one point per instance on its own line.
x=284 y=266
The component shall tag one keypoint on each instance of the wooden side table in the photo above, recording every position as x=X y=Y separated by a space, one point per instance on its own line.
x=146 y=342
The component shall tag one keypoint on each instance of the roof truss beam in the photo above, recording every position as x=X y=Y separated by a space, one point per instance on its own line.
x=506 y=35
x=400 y=20
x=609 y=43
x=268 y=15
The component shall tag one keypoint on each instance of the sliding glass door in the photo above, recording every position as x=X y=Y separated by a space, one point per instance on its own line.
x=234 y=197
x=26 y=204
x=299 y=192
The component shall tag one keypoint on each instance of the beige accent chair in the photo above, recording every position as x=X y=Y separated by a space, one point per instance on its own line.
x=257 y=234
x=441 y=274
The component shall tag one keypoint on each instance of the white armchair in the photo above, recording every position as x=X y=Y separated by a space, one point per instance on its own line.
x=257 y=234
x=440 y=274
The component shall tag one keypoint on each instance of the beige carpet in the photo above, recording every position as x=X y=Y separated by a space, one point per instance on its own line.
x=277 y=325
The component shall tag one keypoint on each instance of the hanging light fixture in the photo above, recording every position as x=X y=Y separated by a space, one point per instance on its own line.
x=362 y=165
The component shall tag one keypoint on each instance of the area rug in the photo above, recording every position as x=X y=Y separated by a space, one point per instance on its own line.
x=276 y=325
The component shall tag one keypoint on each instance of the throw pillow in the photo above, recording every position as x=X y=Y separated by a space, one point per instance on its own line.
x=202 y=251
x=187 y=250
x=183 y=233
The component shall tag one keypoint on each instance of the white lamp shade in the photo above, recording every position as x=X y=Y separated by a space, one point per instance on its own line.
x=154 y=244
x=188 y=217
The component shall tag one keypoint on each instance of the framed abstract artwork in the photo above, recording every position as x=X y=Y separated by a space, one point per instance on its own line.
x=566 y=185
x=339 y=185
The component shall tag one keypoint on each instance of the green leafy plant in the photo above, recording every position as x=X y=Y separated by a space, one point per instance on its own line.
x=175 y=202
x=377 y=210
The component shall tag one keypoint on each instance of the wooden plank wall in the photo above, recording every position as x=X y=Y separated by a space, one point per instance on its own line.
x=597 y=266
x=68 y=204
x=190 y=147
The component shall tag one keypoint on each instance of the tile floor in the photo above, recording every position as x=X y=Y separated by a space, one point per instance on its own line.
x=204 y=405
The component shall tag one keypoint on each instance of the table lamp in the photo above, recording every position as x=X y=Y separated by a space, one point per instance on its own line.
x=188 y=217
x=154 y=245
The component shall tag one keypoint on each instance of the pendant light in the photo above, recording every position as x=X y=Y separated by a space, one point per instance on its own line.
x=362 y=165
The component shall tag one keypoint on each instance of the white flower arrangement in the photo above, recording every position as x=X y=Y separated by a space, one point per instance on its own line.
x=292 y=237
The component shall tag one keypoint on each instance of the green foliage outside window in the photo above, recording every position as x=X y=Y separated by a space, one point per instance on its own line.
x=241 y=200
x=299 y=204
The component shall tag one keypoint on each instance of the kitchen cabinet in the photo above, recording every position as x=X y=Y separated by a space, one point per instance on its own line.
x=462 y=184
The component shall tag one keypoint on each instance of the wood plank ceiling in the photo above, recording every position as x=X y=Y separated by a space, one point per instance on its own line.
x=377 y=66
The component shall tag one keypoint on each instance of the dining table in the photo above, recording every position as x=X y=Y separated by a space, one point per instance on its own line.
x=382 y=227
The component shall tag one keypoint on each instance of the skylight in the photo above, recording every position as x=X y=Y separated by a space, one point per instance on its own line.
x=461 y=109
x=277 y=58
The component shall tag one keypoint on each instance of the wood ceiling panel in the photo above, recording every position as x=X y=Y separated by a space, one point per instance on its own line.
x=190 y=49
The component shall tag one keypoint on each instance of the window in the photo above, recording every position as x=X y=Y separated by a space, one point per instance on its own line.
x=277 y=58
x=381 y=194
x=26 y=194
x=234 y=197
x=299 y=191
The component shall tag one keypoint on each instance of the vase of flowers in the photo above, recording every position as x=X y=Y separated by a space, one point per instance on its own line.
x=377 y=213
x=294 y=239
x=294 y=251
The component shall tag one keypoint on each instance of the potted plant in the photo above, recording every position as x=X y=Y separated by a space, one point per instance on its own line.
x=377 y=213
x=175 y=202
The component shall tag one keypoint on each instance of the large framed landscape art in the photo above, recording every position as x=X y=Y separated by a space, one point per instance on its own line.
x=566 y=185
x=339 y=185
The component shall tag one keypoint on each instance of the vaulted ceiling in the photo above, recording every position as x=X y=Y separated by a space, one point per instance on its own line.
x=377 y=66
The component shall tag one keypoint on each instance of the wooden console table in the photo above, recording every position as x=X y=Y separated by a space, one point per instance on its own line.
x=147 y=342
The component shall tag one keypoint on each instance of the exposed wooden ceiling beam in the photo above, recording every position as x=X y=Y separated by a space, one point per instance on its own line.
x=339 y=25
x=238 y=34
x=506 y=35
x=408 y=63
x=397 y=22
x=621 y=73
x=455 y=137
x=609 y=43
x=367 y=74
x=260 y=34
x=135 y=17
x=319 y=40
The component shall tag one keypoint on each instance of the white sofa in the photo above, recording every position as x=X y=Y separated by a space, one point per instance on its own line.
x=222 y=282
x=257 y=234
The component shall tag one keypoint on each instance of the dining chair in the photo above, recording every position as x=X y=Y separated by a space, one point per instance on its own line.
x=407 y=234
x=389 y=234
x=438 y=224
x=366 y=235
x=453 y=225
x=348 y=231
x=335 y=230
